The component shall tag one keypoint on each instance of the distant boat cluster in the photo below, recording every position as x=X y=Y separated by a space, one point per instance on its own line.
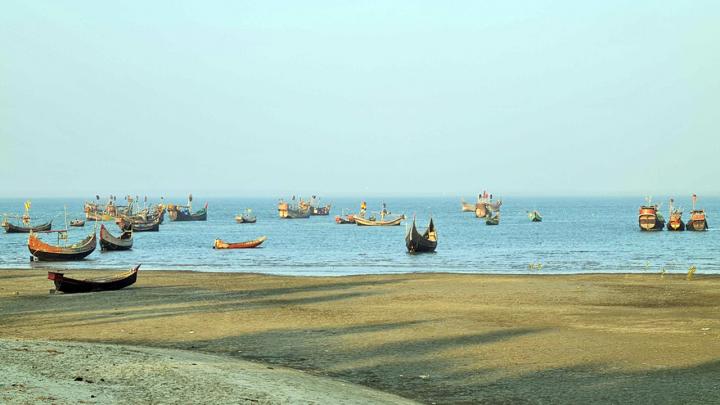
x=650 y=219
x=136 y=217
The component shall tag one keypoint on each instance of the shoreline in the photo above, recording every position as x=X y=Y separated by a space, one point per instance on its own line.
x=430 y=337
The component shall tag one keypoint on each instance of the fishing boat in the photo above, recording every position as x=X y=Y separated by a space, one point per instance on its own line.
x=246 y=218
x=94 y=212
x=153 y=226
x=78 y=223
x=485 y=205
x=394 y=220
x=69 y=285
x=698 y=220
x=184 y=212
x=675 y=222
x=344 y=219
x=314 y=206
x=421 y=243
x=46 y=252
x=110 y=242
x=12 y=228
x=649 y=218
x=289 y=211
x=493 y=220
x=219 y=244
x=535 y=216
x=466 y=206
x=24 y=224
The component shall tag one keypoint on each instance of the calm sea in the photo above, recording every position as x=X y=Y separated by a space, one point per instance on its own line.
x=577 y=235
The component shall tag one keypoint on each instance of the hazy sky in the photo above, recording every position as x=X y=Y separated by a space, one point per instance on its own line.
x=366 y=98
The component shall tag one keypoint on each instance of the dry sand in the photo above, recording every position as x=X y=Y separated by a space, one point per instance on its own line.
x=441 y=338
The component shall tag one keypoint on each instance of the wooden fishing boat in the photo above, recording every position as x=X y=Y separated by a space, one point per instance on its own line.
x=314 y=206
x=47 y=252
x=421 y=243
x=675 y=222
x=535 y=216
x=493 y=220
x=697 y=221
x=153 y=226
x=286 y=211
x=481 y=210
x=94 y=212
x=69 y=285
x=466 y=206
x=77 y=223
x=110 y=242
x=183 y=213
x=649 y=219
x=12 y=228
x=246 y=218
x=219 y=244
x=372 y=221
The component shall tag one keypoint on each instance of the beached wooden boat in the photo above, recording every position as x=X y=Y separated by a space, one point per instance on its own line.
x=219 y=244
x=493 y=220
x=47 y=252
x=69 y=285
x=649 y=219
x=246 y=218
x=77 y=223
x=372 y=221
x=535 y=216
x=421 y=243
x=12 y=228
x=110 y=242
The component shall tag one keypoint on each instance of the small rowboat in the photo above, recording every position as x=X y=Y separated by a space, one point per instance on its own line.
x=110 y=242
x=47 y=252
x=77 y=223
x=421 y=243
x=494 y=220
x=219 y=244
x=381 y=222
x=246 y=218
x=70 y=285
x=535 y=216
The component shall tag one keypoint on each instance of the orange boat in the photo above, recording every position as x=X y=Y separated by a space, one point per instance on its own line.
x=649 y=219
x=697 y=221
x=219 y=244
x=675 y=222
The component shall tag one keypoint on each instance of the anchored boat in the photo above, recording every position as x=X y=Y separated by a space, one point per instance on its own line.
x=219 y=244
x=110 y=242
x=46 y=252
x=649 y=218
x=421 y=243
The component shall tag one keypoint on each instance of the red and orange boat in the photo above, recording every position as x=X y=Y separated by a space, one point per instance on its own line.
x=698 y=220
x=675 y=222
x=649 y=219
x=47 y=252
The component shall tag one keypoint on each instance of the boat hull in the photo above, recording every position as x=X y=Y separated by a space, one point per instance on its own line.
x=366 y=222
x=697 y=226
x=69 y=285
x=109 y=242
x=417 y=243
x=219 y=244
x=45 y=252
x=11 y=228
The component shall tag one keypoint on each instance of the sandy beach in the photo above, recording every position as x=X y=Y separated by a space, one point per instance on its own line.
x=432 y=338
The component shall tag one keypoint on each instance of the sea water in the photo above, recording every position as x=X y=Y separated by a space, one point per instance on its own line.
x=577 y=235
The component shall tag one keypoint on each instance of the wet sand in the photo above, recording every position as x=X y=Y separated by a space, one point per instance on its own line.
x=442 y=338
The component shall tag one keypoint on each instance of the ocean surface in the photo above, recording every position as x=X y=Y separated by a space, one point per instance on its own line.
x=577 y=235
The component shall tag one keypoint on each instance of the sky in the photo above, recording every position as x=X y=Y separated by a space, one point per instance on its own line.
x=274 y=98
